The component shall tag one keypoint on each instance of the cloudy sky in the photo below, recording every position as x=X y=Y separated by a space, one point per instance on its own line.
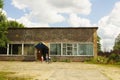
x=104 y=14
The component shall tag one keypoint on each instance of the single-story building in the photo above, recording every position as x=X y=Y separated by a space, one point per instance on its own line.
x=72 y=43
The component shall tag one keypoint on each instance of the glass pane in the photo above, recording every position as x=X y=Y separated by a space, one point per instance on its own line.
x=58 y=49
x=81 y=50
x=69 y=52
x=15 y=49
x=75 y=51
x=28 y=49
x=85 y=49
x=74 y=45
x=55 y=49
x=64 y=45
x=69 y=48
x=89 y=49
x=64 y=51
x=69 y=44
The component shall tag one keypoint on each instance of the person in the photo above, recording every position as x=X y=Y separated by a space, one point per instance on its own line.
x=48 y=59
x=40 y=55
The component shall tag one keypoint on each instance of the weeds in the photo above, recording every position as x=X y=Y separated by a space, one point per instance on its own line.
x=5 y=76
x=111 y=59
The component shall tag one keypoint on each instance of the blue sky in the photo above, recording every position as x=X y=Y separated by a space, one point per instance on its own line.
x=65 y=13
x=100 y=8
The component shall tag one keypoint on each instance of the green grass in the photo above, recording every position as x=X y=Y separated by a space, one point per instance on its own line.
x=5 y=76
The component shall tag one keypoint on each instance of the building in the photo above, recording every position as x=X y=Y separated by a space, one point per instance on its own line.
x=64 y=43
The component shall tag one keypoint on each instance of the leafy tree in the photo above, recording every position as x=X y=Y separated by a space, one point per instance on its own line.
x=1 y=3
x=117 y=43
x=98 y=44
x=4 y=25
x=3 y=29
x=2 y=17
x=15 y=24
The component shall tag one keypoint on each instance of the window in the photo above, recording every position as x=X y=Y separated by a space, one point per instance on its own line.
x=71 y=49
x=3 y=50
x=28 y=49
x=15 y=49
x=75 y=49
x=55 y=49
x=85 y=49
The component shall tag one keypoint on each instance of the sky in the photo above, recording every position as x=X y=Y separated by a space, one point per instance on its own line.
x=104 y=14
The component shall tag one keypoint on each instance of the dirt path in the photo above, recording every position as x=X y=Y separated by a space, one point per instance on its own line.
x=61 y=71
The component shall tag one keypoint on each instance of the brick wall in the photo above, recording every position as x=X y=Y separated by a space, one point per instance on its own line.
x=51 y=34
x=16 y=58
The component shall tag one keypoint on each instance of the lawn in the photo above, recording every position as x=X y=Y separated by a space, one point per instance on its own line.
x=6 y=76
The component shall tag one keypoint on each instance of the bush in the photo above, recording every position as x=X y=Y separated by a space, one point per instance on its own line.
x=54 y=59
x=113 y=58
x=99 y=60
x=66 y=60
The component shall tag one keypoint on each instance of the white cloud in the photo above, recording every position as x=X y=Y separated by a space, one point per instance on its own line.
x=73 y=6
x=76 y=21
x=28 y=23
x=43 y=12
x=109 y=27
x=48 y=11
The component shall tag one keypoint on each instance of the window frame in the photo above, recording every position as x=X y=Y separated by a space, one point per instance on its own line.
x=77 y=45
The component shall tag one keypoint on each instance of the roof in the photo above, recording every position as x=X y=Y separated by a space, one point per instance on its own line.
x=57 y=28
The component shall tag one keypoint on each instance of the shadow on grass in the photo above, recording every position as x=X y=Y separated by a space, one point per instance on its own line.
x=5 y=76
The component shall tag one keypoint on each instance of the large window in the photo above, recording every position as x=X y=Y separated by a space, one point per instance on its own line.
x=71 y=49
x=55 y=49
x=85 y=49
x=15 y=49
x=28 y=49
x=21 y=49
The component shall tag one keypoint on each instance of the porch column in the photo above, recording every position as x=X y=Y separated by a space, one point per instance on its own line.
x=8 y=49
x=22 y=48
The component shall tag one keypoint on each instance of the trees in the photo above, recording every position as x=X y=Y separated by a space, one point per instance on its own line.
x=98 y=44
x=4 y=25
x=117 y=43
x=15 y=24
x=1 y=3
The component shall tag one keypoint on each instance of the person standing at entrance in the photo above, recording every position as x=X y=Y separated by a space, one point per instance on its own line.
x=40 y=56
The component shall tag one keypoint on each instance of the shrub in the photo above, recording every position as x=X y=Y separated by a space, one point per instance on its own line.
x=99 y=60
x=66 y=60
x=54 y=59
x=113 y=58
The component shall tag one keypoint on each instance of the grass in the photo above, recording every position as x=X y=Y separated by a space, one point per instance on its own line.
x=5 y=76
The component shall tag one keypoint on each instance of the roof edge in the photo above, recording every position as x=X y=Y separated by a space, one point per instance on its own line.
x=56 y=28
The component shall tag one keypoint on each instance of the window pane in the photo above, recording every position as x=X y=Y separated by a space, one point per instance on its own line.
x=64 y=51
x=89 y=49
x=69 y=44
x=74 y=45
x=69 y=52
x=82 y=49
x=85 y=49
x=55 y=49
x=15 y=49
x=75 y=51
x=69 y=48
x=28 y=49
x=64 y=45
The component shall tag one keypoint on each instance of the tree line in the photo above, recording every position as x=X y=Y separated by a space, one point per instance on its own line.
x=5 y=24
